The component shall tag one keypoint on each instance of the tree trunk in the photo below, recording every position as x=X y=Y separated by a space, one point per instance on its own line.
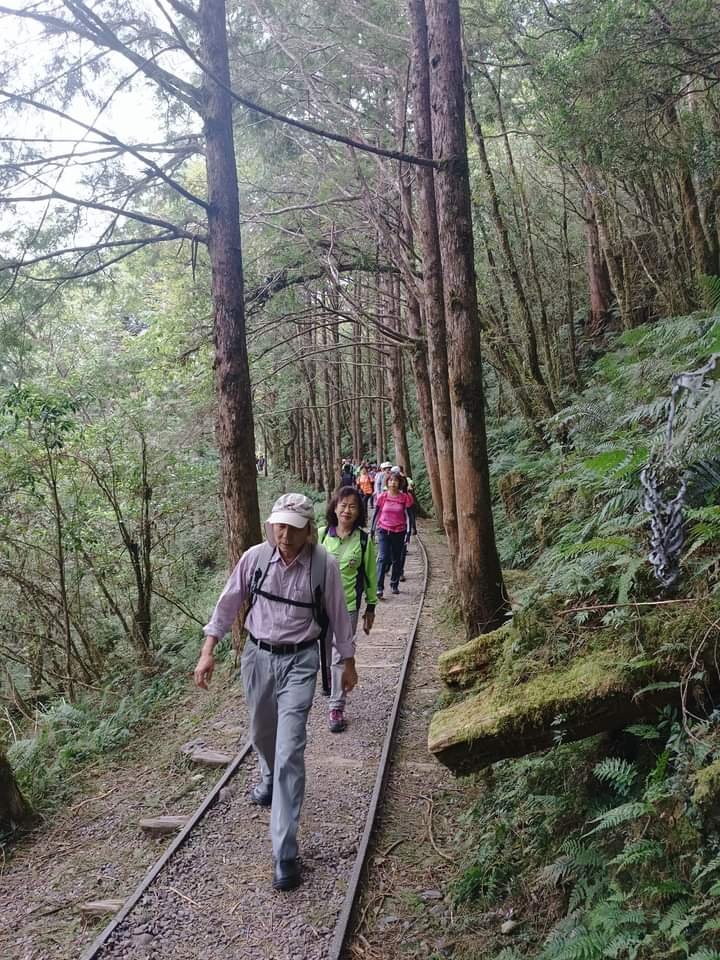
x=597 y=271
x=391 y=288
x=569 y=298
x=296 y=458
x=420 y=366
x=368 y=352
x=434 y=302
x=357 y=442
x=303 y=473
x=478 y=568
x=62 y=579
x=330 y=411
x=14 y=810
x=235 y=429
x=380 y=404
x=336 y=382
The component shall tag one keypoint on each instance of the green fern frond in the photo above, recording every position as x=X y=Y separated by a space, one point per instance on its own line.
x=619 y=505
x=617 y=773
x=676 y=919
x=707 y=869
x=703 y=477
x=637 y=853
x=627 y=578
x=645 y=731
x=709 y=290
x=611 y=545
x=664 y=889
x=585 y=946
x=624 y=813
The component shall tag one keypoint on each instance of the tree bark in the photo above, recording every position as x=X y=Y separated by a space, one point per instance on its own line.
x=303 y=473
x=433 y=306
x=357 y=441
x=330 y=412
x=420 y=364
x=391 y=296
x=479 y=577
x=569 y=301
x=235 y=429
x=597 y=271
x=14 y=810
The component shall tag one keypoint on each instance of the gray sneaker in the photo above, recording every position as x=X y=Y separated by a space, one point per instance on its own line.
x=336 y=720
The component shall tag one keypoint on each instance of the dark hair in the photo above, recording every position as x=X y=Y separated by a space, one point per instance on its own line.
x=340 y=494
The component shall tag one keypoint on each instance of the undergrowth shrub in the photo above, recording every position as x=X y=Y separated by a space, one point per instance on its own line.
x=65 y=736
x=49 y=750
x=609 y=847
x=611 y=839
x=572 y=515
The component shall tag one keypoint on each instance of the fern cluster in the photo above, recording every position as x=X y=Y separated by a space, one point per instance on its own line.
x=573 y=514
x=625 y=859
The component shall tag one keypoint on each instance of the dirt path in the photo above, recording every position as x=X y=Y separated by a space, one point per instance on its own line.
x=215 y=900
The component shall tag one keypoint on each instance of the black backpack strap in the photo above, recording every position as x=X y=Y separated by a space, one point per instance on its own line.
x=360 y=580
x=259 y=575
x=293 y=603
x=319 y=556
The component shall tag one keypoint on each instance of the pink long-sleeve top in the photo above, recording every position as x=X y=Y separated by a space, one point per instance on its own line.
x=276 y=622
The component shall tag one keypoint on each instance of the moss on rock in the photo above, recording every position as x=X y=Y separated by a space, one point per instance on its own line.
x=706 y=794
x=473 y=661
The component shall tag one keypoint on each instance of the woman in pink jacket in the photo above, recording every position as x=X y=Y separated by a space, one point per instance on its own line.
x=391 y=525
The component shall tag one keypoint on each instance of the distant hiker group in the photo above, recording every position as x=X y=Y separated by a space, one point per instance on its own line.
x=301 y=594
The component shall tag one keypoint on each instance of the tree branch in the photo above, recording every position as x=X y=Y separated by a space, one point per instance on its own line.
x=290 y=121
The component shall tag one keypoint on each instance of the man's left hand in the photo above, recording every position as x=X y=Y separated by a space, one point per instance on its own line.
x=368 y=620
x=349 y=676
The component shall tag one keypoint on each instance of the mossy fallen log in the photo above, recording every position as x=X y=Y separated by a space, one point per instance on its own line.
x=540 y=679
x=596 y=692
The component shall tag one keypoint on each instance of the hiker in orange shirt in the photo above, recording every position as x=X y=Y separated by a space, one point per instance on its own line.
x=365 y=485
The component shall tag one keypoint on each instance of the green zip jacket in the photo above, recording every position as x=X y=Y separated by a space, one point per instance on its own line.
x=348 y=554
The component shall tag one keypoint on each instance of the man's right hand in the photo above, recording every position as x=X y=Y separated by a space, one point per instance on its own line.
x=204 y=670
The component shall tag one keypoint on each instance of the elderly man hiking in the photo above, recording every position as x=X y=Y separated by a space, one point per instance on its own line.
x=291 y=589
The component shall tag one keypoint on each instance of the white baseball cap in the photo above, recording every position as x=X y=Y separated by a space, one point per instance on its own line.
x=294 y=509
x=385 y=465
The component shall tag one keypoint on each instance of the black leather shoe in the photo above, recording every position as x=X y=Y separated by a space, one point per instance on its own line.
x=262 y=795
x=286 y=874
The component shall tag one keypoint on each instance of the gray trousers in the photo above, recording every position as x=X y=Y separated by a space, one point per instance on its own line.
x=279 y=690
x=337 y=694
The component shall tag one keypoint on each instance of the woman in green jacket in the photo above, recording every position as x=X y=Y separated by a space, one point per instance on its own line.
x=356 y=555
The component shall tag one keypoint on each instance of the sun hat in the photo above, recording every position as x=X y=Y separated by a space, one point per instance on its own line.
x=291 y=508
x=385 y=465
x=396 y=470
